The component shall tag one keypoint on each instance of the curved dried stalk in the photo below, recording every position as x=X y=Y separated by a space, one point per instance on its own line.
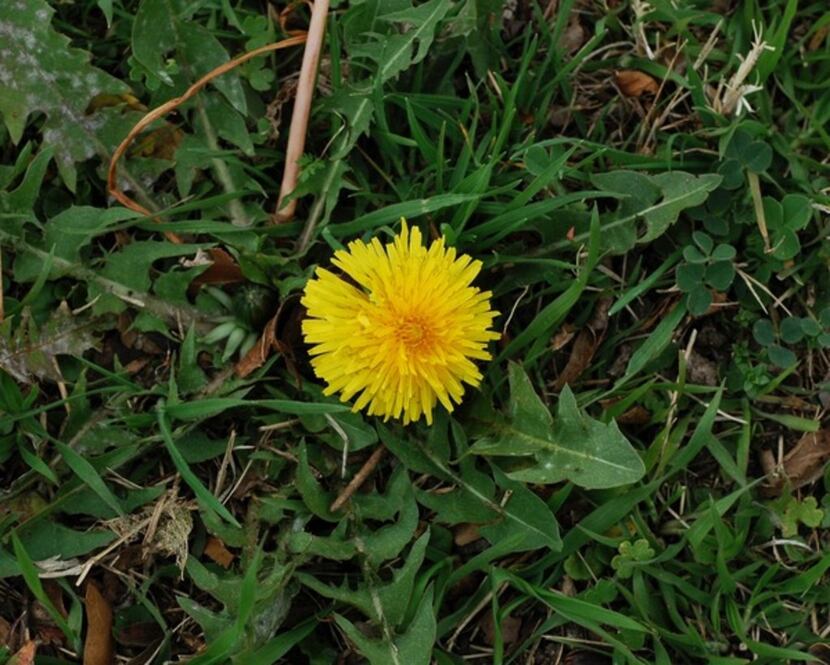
x=167 y=107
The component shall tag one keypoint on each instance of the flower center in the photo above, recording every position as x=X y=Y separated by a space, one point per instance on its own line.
x=413 y=331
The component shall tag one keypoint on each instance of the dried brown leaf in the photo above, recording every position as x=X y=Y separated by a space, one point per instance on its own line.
x=564 y=335
x=804 y=464
x=582 y=352
x=25 y=656
x=510 y=628
x=215 y=549
x=160 y=143
x=464 y=534
x=818 y=38
x=636 y=415
x=141 y=634
x=55 y=593
x=281 y=335
x=574 y=36
x=634 y=83
x=223 y=270
x=260 y=351
x=586 y=345
x=99 y=646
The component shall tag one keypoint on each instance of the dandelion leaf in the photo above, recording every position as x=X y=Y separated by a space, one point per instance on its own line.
x=39 y=72
x=397 y=52
x=649 y=204
x=411 y=647
x=573 y=446
x=162 y=27
x=29 y=351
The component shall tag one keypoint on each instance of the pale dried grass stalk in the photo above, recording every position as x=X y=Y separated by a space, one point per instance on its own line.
x=731 y=97
x=302 y=109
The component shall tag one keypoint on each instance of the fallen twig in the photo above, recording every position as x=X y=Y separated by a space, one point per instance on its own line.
x=359 y=478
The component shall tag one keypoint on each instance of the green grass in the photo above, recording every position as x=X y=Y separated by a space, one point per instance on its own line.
x=623 y=239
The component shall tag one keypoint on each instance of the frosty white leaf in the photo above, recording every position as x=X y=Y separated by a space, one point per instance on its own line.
x=28 y=351
x=40 y=72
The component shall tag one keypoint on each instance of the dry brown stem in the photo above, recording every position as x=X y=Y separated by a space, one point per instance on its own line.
x=359 y=478
x=167 y=107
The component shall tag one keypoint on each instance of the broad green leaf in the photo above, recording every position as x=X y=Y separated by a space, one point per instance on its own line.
x=657 y=200
x=334 y=547
x=699 y=301
x=222 y=646
x=213 y=624
x=106 y=7
x=473 y=501
x=168 y=27
x=130 y=267
x=87 y=473
x=763 y=332
x=377 y=506
x=754 y=155
x=354 y=104
x=316 y=499
x=45 y=540
x=376 y=543
x=781 y=356
x=386 y=603
x=164 y=26
x=224 y=586
x=21 y=199
x=66 y=234
x=412 y=647
x=574 y=447
x=720 y=274
x=791 y=330
x=86 y=502
x=463 y=504
x=797 y=210
x=40 y=72
x=538 y=528
x=387 y=542
x=689 y=276
x=400 y=50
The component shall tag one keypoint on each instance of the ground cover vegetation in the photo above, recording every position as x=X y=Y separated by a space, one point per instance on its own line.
x=639 y=476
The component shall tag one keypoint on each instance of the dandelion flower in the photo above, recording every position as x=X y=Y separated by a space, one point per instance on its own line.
x=402 y=331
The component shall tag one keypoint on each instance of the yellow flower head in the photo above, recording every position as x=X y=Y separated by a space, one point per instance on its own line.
x=403 y=332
